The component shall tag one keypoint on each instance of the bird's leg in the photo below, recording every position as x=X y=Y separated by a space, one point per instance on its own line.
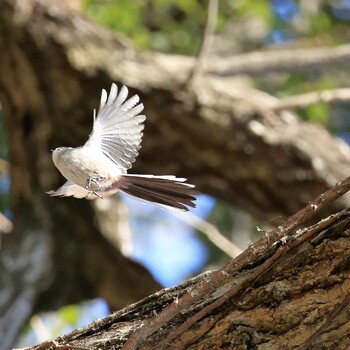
x=93 y=180
x=93 y=184
x=94 y=193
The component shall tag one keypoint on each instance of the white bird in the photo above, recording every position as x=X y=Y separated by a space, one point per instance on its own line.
x=99 y=167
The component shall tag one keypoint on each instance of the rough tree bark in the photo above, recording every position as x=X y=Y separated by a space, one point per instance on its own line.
x=225 y=138
x=288 y=291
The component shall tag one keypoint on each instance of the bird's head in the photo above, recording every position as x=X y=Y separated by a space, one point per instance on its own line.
x=59 y=151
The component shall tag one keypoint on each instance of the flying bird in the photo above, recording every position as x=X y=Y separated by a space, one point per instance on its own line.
x=98 y=169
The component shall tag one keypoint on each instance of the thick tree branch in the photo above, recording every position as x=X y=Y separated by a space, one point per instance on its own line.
x=251 y=302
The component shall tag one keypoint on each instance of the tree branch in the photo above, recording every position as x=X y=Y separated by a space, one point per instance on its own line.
x=283 y=60
x=211 y=232
x=247 y=298
x=304 y=100
x=5 y=225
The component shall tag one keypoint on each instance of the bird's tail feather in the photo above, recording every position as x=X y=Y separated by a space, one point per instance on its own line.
x=168 y=191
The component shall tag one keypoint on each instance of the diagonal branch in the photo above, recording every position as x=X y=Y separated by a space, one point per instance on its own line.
x=285 y=245
x=213 y=307
x=211 y=232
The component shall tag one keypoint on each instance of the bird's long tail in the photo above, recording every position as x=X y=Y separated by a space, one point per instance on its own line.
x=168 y=191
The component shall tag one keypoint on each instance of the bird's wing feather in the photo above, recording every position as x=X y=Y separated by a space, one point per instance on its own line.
x=69 y=189
x=117 y=130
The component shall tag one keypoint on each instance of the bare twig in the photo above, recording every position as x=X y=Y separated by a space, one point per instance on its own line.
x=39 y=328
x=304 y=100
x=212 y=233
x=288 y=60
x=5 y=224
x=207 y=41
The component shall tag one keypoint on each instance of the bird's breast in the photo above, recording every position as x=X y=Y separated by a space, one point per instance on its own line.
x=79 y=164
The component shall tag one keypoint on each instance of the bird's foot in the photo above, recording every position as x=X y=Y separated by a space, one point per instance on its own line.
x=90 y=193
x=93 y=180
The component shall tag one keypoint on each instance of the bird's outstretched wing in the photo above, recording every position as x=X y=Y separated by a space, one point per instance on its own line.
x=117 y=129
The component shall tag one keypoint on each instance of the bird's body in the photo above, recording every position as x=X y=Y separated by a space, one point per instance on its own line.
x=99 y=168
x=81 y=163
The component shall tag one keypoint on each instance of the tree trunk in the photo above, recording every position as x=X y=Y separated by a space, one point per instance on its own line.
x=224 y=137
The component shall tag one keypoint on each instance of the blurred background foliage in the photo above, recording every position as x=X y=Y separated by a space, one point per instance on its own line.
x=176 y=26
x=169 y=248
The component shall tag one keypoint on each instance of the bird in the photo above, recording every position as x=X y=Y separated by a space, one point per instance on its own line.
x=98 y=169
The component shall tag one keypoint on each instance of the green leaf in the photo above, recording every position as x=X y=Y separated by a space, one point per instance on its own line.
x=318 y=113
x=70 y=314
